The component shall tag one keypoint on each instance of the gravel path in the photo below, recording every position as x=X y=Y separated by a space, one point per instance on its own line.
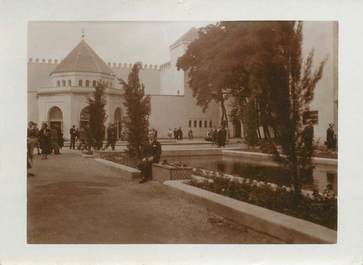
x=72 y=199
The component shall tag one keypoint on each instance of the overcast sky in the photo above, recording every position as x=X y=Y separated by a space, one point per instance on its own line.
x=124 y=42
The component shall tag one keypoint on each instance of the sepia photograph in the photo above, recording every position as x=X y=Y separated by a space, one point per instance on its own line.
x=182 y=132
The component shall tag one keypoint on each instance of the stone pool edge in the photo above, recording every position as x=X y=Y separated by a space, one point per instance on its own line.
x=126 y=171
x=284 y=227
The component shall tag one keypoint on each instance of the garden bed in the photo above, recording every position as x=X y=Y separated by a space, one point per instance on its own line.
x=319 y=208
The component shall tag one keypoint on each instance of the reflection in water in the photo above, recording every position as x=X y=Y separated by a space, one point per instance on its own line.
x=261 y=170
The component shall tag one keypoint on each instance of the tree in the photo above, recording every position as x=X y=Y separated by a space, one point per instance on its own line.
x=203 y=68
x=219 y=65
x=97 y=116
x=291 y=101
x=260 y=64
x=137 y=113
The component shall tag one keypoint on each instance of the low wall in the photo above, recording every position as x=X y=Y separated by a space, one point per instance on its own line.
x=125 y=171
x=163 y=173
x=284 y=227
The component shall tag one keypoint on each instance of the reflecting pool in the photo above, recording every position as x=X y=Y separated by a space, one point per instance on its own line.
x=260 y=170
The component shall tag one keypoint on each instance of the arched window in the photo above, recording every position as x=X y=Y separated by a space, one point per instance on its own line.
x=69 y=83
x=94 y=83
x=205 y=124
x=58 y=83
x=80 y=82
x=87 y=83
x=195 y=124
x=190 y=123
x=55 y=114
x=210 y=124
x=63 y=83
x=200 y=124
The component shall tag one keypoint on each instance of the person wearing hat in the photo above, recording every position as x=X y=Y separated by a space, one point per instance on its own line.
x=330 y=137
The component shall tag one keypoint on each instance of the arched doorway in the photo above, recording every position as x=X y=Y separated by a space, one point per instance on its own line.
x=84 y=117
x=55 y=118
x=118 y=121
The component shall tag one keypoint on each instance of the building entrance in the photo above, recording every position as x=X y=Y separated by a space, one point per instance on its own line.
x=55 y=118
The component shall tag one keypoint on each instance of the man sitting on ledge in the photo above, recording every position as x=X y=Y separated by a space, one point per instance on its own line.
x=151 y=154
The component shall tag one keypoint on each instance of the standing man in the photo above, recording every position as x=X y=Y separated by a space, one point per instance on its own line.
x=54 y=140
x=221 y=137
x=190 y=133
x=151 y=154
x=73 y=134
x=330 y=137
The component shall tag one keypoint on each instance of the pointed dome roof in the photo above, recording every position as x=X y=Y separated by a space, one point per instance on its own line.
x=82 y=59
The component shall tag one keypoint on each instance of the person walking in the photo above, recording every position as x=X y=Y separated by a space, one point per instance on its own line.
x=44 y=141
x=60 y=138
x=190 y=134
x=54 y=140
x=151 y=154
x=73 y=134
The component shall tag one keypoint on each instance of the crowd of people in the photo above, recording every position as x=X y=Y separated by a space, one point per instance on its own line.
x=45 y=140
x=217 y=136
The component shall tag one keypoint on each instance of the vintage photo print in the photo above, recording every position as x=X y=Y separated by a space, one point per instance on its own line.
x=181 y=133
x=230 y=127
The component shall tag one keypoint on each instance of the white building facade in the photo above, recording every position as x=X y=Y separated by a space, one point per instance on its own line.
x=58 y=91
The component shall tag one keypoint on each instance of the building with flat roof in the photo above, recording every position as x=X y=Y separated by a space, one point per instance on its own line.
x=58 y=90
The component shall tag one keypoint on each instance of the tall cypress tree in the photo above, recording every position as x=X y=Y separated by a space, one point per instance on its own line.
x=290 y=102
x=97 y=116
x=137 y=113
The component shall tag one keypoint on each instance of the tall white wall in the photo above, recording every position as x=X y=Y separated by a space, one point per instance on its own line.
x=323 y=38
x=171 y=79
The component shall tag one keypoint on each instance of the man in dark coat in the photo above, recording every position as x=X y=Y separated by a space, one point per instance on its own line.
x=73 y=134
x=330 y=137
x=54 y=140
x=45 y=141
x=151 y=154
x=221 y=137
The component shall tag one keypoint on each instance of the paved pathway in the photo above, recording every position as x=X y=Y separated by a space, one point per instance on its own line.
x=72 y=199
